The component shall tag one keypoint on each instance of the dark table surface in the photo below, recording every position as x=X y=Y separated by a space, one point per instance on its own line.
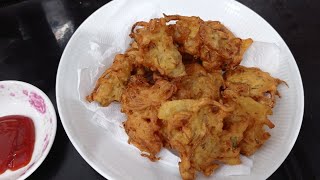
x=33 y=36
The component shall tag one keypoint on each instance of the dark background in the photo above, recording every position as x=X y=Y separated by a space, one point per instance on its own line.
x=33 y=34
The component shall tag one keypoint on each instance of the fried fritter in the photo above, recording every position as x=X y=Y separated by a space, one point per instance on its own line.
x=221 y=49
x=199 y=84
x=230 y=141
x=210 y=150
x=156 y=46
x=246 y=108
x=193 y=127
x=181 y=87
x=112 y=82
x=216 y=46
x=221 y=144
x=254 y=83
x=140 y=101
x=254 y=93
x=186 y=33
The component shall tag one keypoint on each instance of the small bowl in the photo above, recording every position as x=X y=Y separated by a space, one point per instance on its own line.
x=20 y=98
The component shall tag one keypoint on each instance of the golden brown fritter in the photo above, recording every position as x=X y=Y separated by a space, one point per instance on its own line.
x=254 y=83
x=211 y=41
x=230 y=140
x=186 y=33
x=156 y=46
x=112 y=82
x=140 y=101
x=221 y=49
x=248 y=87
x=181 y=87
x=193 y=127
x=256 y=115
x=199 y=84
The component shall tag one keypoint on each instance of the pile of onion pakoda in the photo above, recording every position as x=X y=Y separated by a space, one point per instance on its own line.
x=181 y=86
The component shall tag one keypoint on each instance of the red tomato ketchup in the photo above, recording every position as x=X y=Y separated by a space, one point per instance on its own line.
x=17 y=137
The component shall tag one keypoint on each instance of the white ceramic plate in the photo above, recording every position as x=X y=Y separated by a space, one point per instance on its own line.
x=115 y=160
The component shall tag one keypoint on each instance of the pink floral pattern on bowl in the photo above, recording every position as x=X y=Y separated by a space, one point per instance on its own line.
x=25 y=92
x=37 y=102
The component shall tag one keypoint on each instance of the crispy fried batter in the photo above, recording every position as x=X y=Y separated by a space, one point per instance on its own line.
x=221 y=48
x=216 y=46
x=230 y=139
x=256 y=114
x=193 y=127
x=178 y=97
x=112 y=82
x=140 y=101
x=199 y=84
x=254 y=83
x=159 y=52
x=186 y=33
x=248 y=88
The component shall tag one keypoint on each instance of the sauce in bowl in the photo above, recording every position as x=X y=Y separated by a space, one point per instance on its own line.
x=17 y=138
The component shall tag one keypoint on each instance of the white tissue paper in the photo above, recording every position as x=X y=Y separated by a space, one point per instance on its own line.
x=113 y=38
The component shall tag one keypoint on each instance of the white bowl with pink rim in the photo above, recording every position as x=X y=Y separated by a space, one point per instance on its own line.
x=20 y=98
